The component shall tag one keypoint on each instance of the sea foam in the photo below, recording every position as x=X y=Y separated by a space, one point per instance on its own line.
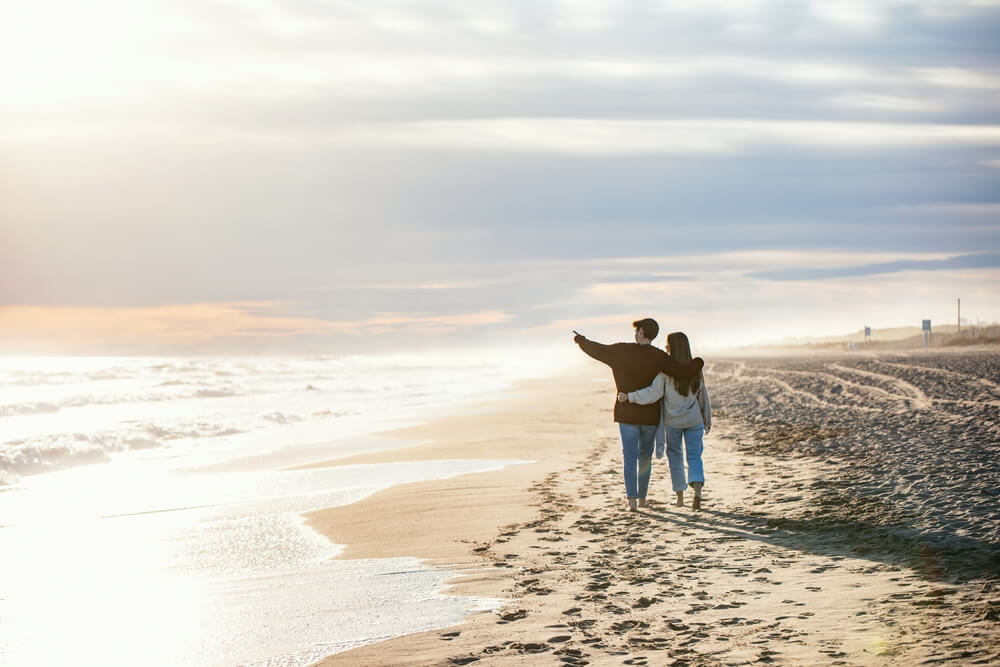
x=188 y=544
x=61 y=412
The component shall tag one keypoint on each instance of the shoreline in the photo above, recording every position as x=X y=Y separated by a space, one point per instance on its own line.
x=443 y=521
x=588 y=583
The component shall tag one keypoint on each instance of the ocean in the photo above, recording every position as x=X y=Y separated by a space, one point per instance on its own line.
x=149 y=515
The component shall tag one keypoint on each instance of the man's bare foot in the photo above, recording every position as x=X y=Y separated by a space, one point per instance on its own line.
x=680 y=499
x=696 y=503
x=643 y=502
x=632 y=505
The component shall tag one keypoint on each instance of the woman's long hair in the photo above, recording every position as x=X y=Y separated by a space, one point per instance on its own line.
x=680 y=350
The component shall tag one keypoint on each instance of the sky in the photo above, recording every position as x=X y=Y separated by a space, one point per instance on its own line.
x=310 y=176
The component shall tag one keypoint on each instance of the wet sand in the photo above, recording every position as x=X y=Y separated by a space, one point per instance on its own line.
x=850 y=517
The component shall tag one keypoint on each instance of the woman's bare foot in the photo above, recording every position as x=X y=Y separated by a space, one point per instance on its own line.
x=643 y=502
x=632 y=505
x=680 y=499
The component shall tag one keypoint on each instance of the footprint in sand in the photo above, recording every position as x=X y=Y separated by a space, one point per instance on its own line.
x=644 y=602
x=624 y=626
x=572 y=656
x=513 y=616
x=530 y=647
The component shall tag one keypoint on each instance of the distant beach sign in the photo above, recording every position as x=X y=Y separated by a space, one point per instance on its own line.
x=927 y=326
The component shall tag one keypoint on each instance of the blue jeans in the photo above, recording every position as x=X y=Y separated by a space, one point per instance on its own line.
x=637 y=454
x=693 y=444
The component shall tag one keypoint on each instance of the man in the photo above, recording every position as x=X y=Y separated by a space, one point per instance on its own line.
x=634 y=365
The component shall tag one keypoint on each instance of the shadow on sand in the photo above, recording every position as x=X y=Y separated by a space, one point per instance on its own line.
x=935 y=556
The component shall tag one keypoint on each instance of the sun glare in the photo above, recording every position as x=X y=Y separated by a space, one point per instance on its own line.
x=60 y=55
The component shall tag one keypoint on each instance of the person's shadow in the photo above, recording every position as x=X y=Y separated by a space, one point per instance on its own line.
x=934 y=555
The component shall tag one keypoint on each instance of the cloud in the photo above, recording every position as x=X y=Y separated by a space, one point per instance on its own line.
x=81 y=329
x=615 y=136
x=971 y=261
x=166 y=68
x=989 y=210
x=723 y=308
x=854 y=15
x=579 y=136
x=718 y=298
x=204 y=326
x=429 y=324
x=637 y=293
x=335 y=97
x=891 y=102
x=440 y=167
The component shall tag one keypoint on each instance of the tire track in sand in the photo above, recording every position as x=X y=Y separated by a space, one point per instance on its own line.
x=990 y=385
x=918 y=399
x=859 y=387
x=776 y=382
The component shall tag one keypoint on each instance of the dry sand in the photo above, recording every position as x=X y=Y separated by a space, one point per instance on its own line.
x=820 y=540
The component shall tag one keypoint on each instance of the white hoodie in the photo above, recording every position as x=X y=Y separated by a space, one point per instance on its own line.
x=676 y=409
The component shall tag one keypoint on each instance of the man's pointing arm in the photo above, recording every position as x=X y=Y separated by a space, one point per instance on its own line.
x=594 y=349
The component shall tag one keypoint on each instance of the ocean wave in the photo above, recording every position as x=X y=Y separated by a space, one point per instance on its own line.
x=34 y=378
x=21 y=409
x=65 y=450
x=281 y=418
x=29 y=457
x=26 y=379
x=81 y=401
x=94 y=395
x=217 y=393
x=326 y=414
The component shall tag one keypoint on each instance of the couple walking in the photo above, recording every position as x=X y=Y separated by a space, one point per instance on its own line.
x=661 y=397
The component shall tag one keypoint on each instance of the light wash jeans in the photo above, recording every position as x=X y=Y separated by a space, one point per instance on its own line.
x=637 y=454
x=693 y=444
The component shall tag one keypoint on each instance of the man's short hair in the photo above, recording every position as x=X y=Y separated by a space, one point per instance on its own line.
x=649 y=327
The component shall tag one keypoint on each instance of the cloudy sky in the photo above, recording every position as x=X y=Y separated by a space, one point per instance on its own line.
x=332 y=176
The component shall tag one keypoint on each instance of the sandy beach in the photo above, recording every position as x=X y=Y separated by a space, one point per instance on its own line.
x=850 y=517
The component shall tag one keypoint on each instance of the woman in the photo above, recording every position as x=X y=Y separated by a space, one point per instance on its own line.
x=686 y=414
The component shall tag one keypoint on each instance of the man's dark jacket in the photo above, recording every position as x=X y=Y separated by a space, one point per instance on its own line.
x=634 y=367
